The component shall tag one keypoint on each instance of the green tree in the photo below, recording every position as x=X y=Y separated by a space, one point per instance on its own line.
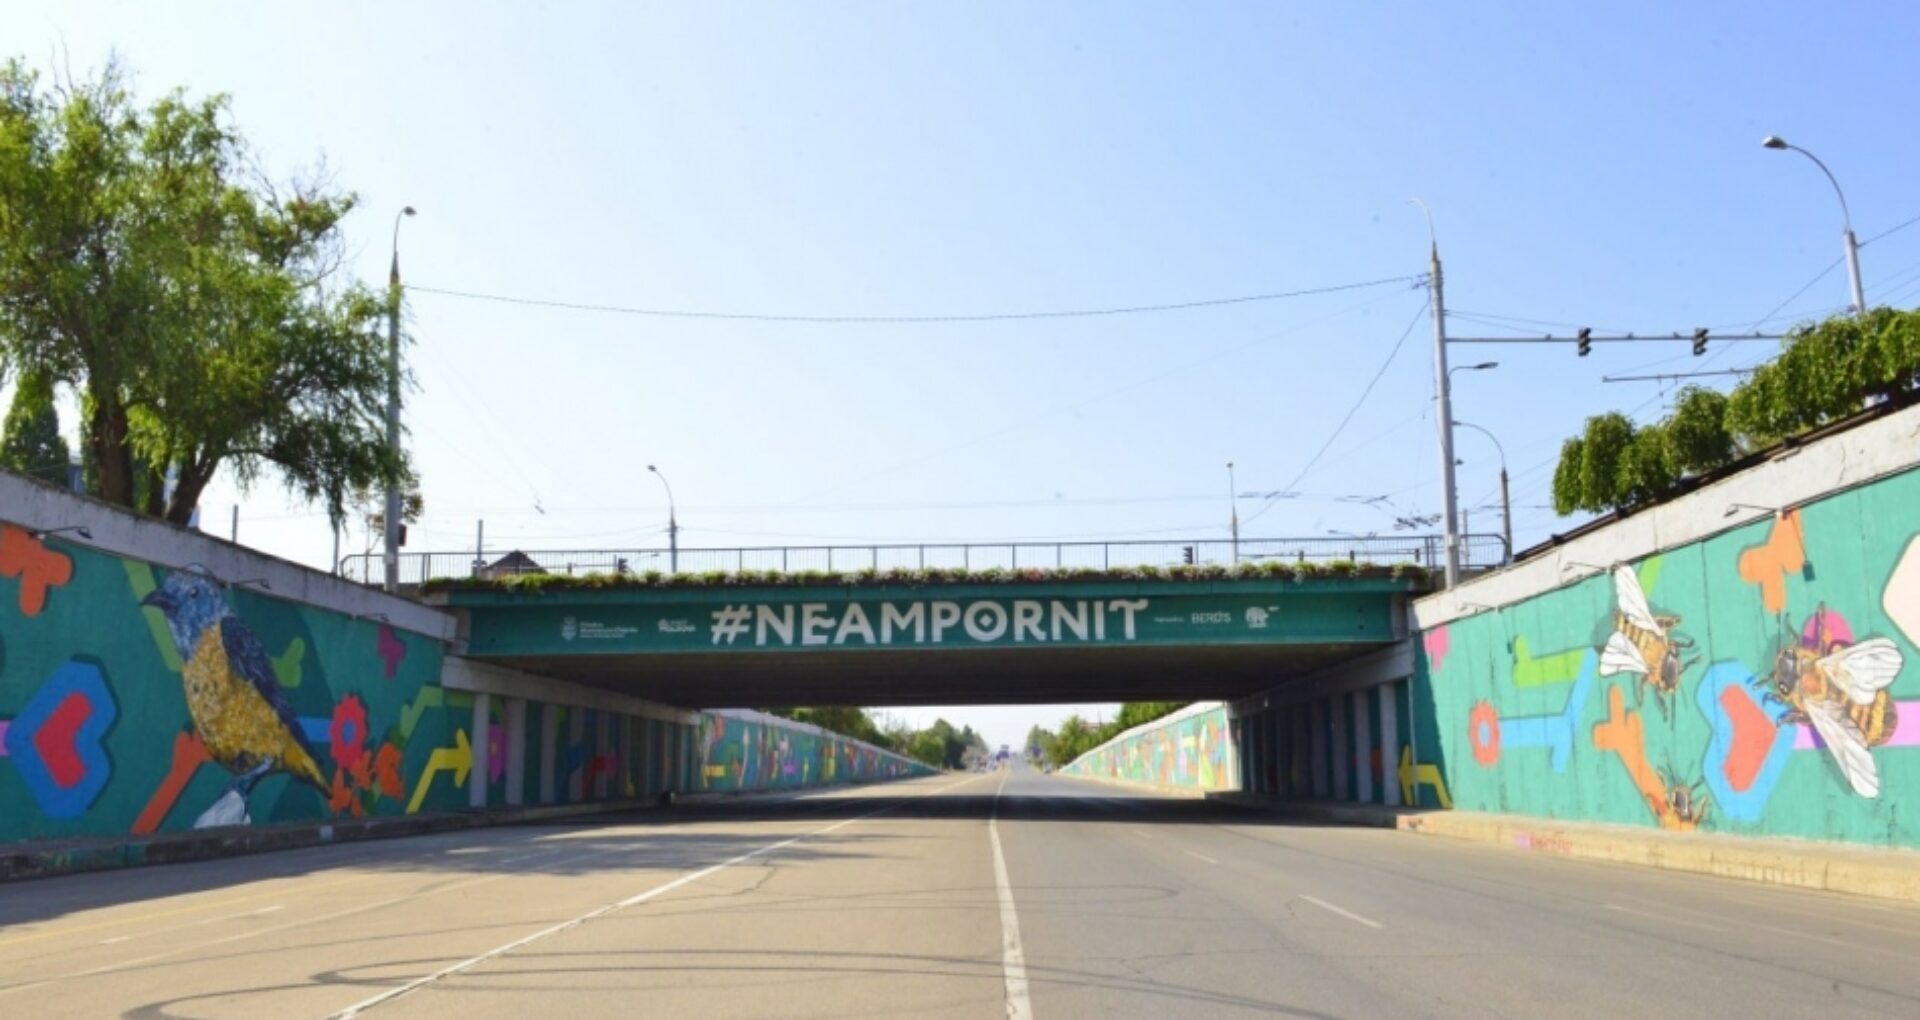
x=31 y=443
x=1697 y=435
x=147 y=261
x=1826 y=372
x=1646 y=470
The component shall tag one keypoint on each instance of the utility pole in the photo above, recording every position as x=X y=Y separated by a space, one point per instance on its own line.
x=1233 y=505
x=1443 y=409
x=673 y=524
x=390 y=555
x=1846 y=221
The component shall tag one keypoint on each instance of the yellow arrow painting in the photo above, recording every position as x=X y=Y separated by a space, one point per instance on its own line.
x=458 y=758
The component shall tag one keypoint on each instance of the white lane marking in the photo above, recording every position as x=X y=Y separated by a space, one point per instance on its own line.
x=1348 y=914
x=1013 y=959
x=1203 y=857
x=638 y=898
x=1143 y=834
x=108 y=942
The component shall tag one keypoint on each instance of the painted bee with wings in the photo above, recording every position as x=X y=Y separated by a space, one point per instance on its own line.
x=1643 y=644
x=1842 y=691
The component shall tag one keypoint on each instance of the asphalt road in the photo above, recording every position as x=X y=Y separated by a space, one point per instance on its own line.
x=1010 y=893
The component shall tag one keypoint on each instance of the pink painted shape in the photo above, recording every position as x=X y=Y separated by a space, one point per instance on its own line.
x=496 y=752
x=1828 y=624
x=3 y=739
x=390 y=649
x=1437 y=646
x=1906 y=732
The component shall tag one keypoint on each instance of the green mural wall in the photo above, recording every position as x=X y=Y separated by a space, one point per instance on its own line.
x=135 y=698
x=1189 y=750
x=1765 y=681
x=742 y=752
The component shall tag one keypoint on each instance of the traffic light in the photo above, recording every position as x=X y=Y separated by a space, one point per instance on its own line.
x=1700 y=341
x=1584 y=340
x=1186 y=553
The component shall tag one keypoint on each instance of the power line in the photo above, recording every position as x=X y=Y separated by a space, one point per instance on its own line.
x=1078 y=313
x=1675 y=375
x=1274 y=499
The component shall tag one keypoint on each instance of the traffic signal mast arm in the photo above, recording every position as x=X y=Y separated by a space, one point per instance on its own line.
x=1583 y=340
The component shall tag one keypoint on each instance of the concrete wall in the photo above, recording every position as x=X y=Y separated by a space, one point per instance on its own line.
x=1189 y=749
x=344 y=700
x=1769 y=617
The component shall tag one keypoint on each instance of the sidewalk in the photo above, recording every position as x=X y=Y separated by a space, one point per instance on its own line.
x=1884 y=873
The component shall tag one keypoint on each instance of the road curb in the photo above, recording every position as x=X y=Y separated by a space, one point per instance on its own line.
x=1881 y=873
x=65 y=857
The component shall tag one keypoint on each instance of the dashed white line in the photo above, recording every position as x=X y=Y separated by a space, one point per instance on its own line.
x=1202 y=857
x=1348 y=914
x=1013 y=959
x=1143 y=834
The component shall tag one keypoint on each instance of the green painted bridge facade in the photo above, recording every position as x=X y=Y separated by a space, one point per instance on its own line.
x=937 y=643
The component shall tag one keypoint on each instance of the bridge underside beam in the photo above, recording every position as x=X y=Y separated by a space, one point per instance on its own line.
x=947 y=676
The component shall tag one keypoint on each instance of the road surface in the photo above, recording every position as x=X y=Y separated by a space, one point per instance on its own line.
x=1009 y=893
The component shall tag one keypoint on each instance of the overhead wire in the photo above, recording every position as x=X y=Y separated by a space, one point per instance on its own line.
x=1274 y=499
x=1076 y=313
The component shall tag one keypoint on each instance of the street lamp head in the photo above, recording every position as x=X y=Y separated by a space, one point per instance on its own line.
x=1484 y=365
x=1775 y=142
x=653 y=469
x=406 y=210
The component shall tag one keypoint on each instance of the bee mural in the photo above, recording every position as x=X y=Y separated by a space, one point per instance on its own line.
x=1643 y=644
x=1685 y=806
x=1840 y=689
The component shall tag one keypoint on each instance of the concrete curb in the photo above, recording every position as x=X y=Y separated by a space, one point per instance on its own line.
x=1882 y=873
x=49 y=858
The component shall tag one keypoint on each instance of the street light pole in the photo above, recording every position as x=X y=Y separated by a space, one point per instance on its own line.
x=1443 y=410
x=390 y=556
x=1846 y=219
x=1506 y=506
x=673 y=525
x=1233 y=515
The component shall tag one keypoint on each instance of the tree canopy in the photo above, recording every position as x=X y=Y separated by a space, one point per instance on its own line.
x=30 y=441
x=1825 y=372
x=192 y=301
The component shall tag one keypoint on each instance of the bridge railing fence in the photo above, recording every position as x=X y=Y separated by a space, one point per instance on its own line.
x=1478 y=552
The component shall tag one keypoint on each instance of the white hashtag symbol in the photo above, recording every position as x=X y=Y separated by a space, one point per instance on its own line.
x=729 y=622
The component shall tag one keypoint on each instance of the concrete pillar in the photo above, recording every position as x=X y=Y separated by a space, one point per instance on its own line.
x=1342 y=760
x=516 y=751
x=549 y=754
x=477 y=738
x=576 y=736
x=1317 y=751
x=1363 y=747
x=1389 y=741
x=1300 y=783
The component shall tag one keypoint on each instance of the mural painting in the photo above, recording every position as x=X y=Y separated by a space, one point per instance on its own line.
x=1186 y=750
x=1761 y=682
x=136 y=698
x=748 y=751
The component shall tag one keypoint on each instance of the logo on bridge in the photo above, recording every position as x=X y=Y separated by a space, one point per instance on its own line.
x=1257 y=617
x=569 y=629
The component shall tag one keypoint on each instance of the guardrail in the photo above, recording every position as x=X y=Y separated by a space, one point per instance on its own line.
x=1478 y=552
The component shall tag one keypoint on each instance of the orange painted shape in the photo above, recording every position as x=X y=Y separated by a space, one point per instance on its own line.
x=188 y=755
x=39 y=568
x=1768 y=564
x=1623 y=734
x=1753 y=735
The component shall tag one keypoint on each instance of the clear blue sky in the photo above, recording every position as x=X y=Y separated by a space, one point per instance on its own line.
x=1596 y=165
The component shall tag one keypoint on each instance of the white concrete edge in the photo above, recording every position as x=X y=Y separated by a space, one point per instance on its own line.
x=769 y=719
x=36 y=506
x=1197 y=708
x=458 y=673
x=1791 y=478
x=1375 y=669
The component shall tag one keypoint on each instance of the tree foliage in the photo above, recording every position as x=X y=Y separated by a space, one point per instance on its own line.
x=30 y=441
x=147 y=261
x=1076 y=735
x=1826 y=372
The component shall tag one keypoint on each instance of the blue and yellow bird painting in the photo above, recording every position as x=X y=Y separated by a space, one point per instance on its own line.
x=238 y=709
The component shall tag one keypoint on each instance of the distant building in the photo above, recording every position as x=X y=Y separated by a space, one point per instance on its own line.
x=510 y=565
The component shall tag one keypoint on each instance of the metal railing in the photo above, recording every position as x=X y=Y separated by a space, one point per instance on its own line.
x=1478 y=552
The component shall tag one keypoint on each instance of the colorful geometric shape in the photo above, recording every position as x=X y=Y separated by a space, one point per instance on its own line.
x=1437 y=645
x=57 y=742
x=1900 y=598
x=1544 y=670
x=391 y=650
x=1483 y=732
x=1558 y=731
x=39 y=568
x=1768 y=564
x=1747 y=747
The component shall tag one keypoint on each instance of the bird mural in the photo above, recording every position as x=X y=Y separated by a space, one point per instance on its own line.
x=238 y=709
